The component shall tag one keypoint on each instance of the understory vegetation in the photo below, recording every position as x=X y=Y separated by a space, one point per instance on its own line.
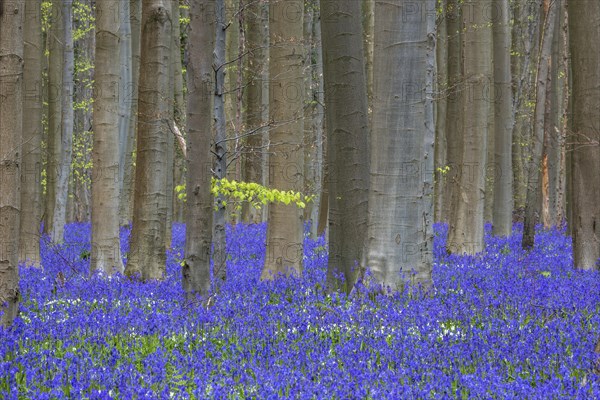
x=504 y=324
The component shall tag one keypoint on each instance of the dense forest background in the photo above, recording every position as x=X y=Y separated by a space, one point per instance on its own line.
x=367 y=120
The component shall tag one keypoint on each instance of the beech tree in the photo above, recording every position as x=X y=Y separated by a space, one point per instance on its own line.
x=11 y=135
x=584 y=27
x=199 y=203
x=400 y=233
x=147 y=255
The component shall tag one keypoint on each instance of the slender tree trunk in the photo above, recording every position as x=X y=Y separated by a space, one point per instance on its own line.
x=179 y=111
x=503 y=122
x=454 y=126
x=55 y=93
x=252 y=157
x=534 y=182
x=147 y=255
x=106 y=171
x=400 y=235
x=31 y=188
x=126 y=108
x=347 y=134
x=368 y=22
x=11 y=136
x=200 y=97
x=466 y=227
x=219 y=240
x=286 y=109
x=584 y=28
x=440 y=111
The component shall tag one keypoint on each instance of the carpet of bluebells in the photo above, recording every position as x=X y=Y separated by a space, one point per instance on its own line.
x=505 y=324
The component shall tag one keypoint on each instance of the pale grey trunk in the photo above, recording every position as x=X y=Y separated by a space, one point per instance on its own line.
x=317 y=123
x=368 y=22
x=454 y=125
x=534 y=181
x=55 y=93
x=200 y=97
x=66 y=136
x=286 y=105
x=147 y=255
x=503 y=122
x=106 y=171
x=465 y=234
x=253 y=101
x=400 y=236
x=347 y=137
x=11 y=137
x=178 y=112
x=31 y=188
x=441 y=89
x=220 y=150
x=126 y=130
x=584 y=28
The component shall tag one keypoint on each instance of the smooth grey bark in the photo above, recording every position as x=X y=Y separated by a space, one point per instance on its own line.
x=66 y=140
x=454 y=125
x=220 y=149
x=286 y=107
x=147 y=255
x=126 y=129
x=534 y=181
x=31 y=177
x=178 y=111
x=584 y=28
x=347 y=136
x=368 y=22
x=465 y=234
x=503 y=122
x=11 y=136
x=200 y=97
x=106 y=156
x=441 y=105
x=400 y=235
x=253 y=103
x=55 y=93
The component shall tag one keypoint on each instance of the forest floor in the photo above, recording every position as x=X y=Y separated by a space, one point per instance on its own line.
x=504 y=324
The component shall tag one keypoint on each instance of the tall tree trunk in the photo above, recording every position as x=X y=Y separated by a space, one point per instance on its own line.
x=200 y=97
x=252 y=157
x=584 y=28
x=66 y=136
x=347 y=135
x=400 y=234
x=219 y=240
x=55 y=93
x=440 y=111
x=106 y=171
x=454 y=126
x=466 y=227
x=503 y=122
x=286 y=109
x=126 y=105
x=147 y=255
x=31 y=188
x=368 y=22
x=534 y=182
x=11 y=136
x=179 y=110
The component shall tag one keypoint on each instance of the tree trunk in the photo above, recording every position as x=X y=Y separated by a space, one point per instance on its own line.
x=106 y=174
x=400 y=234
x=286 y=105
x=534 y=181
x=147 y=255
x=178 y=112
x=440 y=111
x=584 y=28
x=199 y=204
x=347 y=135
x=11 y=136
x=503 y=122
x=55 y=93
x=31 y=188
x=219 y=240
x=466 y=227
x=252 y=157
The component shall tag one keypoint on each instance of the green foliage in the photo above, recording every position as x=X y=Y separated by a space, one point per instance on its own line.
x=255 y=194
